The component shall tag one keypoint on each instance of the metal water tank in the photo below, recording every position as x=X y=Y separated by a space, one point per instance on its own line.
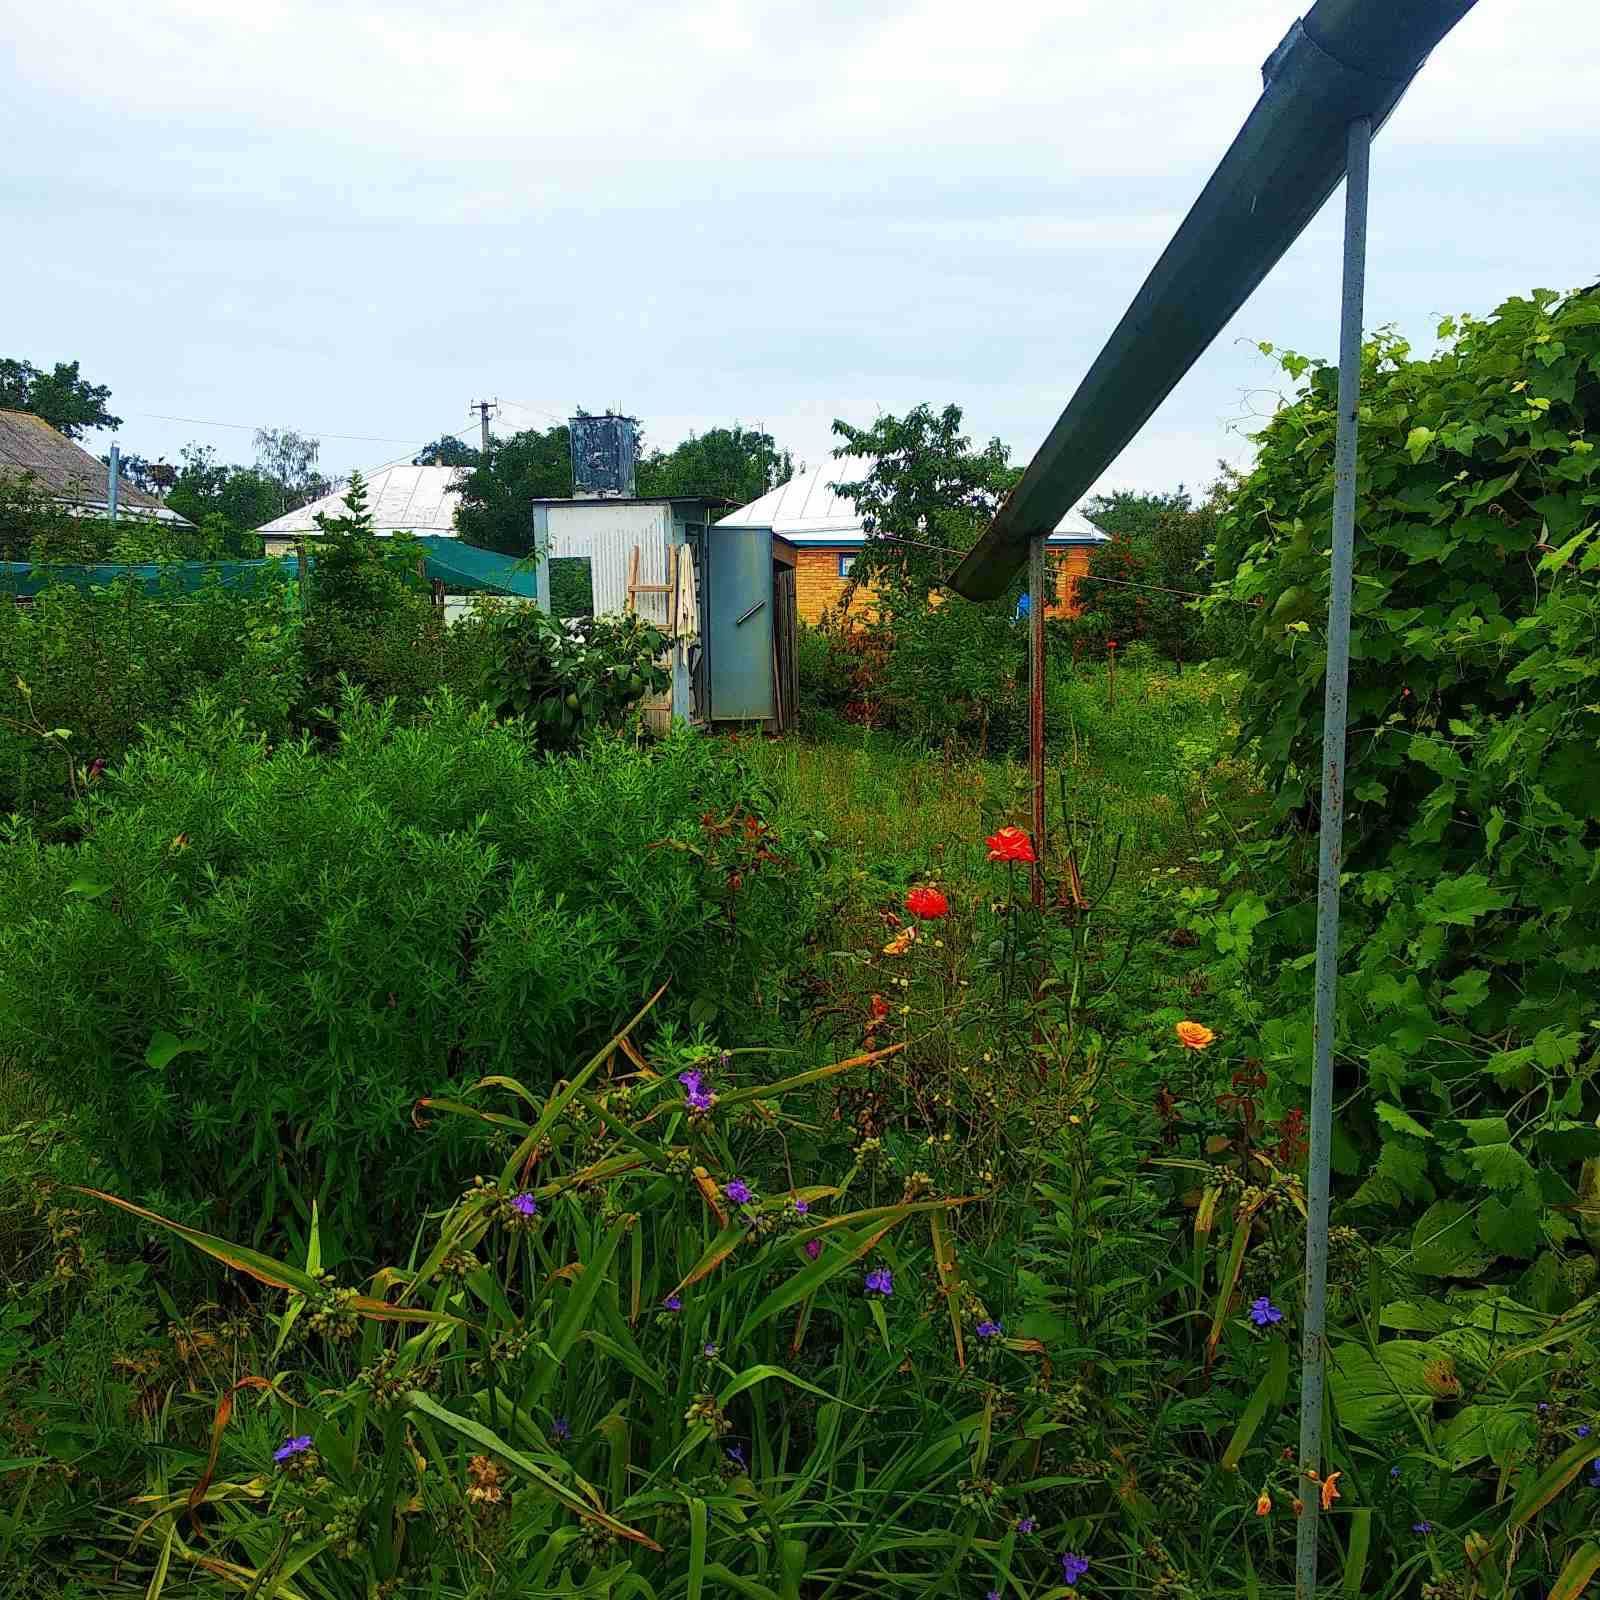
x=605 y=453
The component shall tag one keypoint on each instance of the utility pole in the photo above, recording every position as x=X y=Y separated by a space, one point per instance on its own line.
x=113 y=475
x=483 y=408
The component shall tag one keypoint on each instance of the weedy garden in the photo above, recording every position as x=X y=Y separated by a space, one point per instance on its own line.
x=456 y=1153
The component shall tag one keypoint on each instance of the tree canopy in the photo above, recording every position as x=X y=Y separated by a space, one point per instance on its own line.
x=447 y=451
x=67 y=401
x=737 y=463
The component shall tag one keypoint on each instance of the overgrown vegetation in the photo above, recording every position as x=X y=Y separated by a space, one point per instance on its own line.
x=846 y=1222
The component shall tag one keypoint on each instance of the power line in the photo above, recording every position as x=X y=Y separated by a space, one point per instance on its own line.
x=251 y=427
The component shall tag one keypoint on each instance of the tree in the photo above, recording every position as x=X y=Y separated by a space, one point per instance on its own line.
x=289 y=460
x=497 y=495
x=234 y=500
x=447 y=451
x=949 y=668
x=736 y=463
x=926 y=483
x=69 y=403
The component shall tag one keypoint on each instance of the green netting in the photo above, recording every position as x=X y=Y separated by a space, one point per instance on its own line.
x=459 y=566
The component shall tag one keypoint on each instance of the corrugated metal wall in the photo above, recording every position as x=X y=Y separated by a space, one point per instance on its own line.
x=606 y=534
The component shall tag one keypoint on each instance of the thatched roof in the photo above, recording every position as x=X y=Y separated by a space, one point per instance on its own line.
x=63 y=469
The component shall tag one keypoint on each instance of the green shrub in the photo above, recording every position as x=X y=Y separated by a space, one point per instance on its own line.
x=1471 y=926
x=570 y=677
x=83 y=672
x=256 y=960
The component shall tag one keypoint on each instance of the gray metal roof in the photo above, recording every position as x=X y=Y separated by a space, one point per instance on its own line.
x=805 y=510
x=402 y=499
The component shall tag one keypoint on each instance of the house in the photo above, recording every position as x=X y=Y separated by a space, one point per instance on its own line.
x=402 y=499
x=72 y=477
x=823 y=531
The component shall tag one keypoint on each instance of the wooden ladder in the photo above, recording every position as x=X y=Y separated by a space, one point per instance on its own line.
x=635 y=588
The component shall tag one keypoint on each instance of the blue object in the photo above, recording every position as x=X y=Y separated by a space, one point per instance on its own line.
x=1024 y=607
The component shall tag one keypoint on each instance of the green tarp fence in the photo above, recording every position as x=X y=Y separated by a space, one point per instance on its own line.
x=456 y=565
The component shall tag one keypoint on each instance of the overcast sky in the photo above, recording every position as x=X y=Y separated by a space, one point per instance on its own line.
x=356 y=220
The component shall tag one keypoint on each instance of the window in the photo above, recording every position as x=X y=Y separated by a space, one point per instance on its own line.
x=845 y=564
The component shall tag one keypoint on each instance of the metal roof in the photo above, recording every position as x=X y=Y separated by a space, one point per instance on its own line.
x=402 y=499
x=67 y=472
x=805 y=510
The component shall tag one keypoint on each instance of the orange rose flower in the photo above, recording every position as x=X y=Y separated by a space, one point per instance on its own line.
x=1194 y=1035
x=1011 y=844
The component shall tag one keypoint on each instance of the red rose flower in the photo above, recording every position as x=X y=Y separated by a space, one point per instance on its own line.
x=1011 y=844
x=928 y=904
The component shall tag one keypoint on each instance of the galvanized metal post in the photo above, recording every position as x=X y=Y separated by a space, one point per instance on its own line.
x=113 y=480
x=1036 y=615
x=1313 y=1346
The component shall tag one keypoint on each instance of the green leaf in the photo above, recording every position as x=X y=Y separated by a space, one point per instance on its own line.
x=1268 y=1398
x=1393 y=1117
x=1417 y=442
x=1512 y=1227
x=1443 y=1243
x=1373 y=1394
x=165 y=1047
x=1497 y=1432
x=1460 y=901
x=1501 y=1166
x=88 y=888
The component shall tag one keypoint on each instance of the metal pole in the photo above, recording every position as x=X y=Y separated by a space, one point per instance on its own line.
x=1313 y=1345
x=1036 y=610
x=113 y=477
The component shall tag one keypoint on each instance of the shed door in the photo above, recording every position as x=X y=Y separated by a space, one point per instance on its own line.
x=739 y=630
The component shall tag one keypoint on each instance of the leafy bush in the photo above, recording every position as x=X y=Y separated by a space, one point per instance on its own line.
x=82 y=673
x=569 y=677
x=256 y=960
x=1471 y=932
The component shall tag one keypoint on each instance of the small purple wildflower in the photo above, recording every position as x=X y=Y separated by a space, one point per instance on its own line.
x=560 y=1429
x=699 y=1100
x=739 y=1192
x=1394 y=1472
x=693 y=1081
x=290 y=1448
x=801 y=1207
x=1026 y=1525
x=993 y=1594
x=524 y=1204
x=1422 y=1527
x=1072 y=1568
x=711 y=1350
x=673 y=1302
x=1263 y=1313
x=1544 y=1406
x=880 y=1281
x=1583 y=1430
x=1594 y=1482
x=813 y=1248
x=736 y=1456
x=989 y=1329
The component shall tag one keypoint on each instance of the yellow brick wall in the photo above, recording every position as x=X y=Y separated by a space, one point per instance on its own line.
x=818 y=586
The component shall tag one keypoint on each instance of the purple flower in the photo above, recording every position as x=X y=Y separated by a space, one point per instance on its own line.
x=1422 y=1527
x=290 y=1448
x=1026 y=1525
x=692 y=1080
x=1583 y=1430
x=813 y=1248
x=561 y=1430
x=801 y=1207
x=710 y=1350
x=699 y=1100
x=1544 y=1406
x=993 y=1594
x=524 y=1204
x=1394 y=1472
x=880 y=1281
x=739 y=1192
x=1594 y=1482
x=1263 y=1313
x=673 y=1302
x=736 y=1456
x=1072 y=1568
x=989 y=1329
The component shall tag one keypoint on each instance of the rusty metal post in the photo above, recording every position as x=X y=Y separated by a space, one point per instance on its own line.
x=1037 y=606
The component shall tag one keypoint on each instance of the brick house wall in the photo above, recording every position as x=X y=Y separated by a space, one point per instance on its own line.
x=819 y=587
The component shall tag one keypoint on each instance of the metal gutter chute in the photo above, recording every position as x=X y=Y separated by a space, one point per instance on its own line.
x=1345 y=59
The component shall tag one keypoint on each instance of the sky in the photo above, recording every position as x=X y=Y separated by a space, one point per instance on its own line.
x=354 y=221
